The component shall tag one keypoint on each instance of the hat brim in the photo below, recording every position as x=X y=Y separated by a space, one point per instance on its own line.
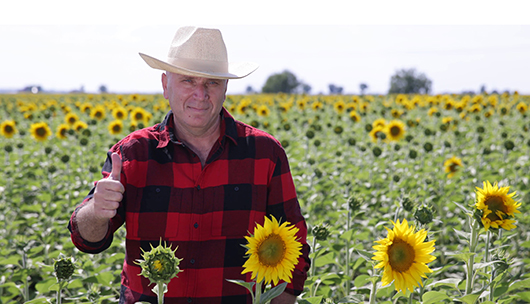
x=236 y=70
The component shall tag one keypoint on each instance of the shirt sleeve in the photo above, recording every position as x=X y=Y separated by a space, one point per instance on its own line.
x=284 y=205
x=114 y=223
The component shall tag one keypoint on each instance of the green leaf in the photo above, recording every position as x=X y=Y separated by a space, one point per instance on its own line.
x=247 y=285
x=273 y=293
x=311 y=300
x=462 y=256
x=525 y=296
x=361 y=280
x=434 y=297
x=519 y=285
x=38 y=301
x=325 y=260
x=468 y=299
x=462 y=234
x=44 y=286
x=453 y=282
x=365 y=255
x=358 y=298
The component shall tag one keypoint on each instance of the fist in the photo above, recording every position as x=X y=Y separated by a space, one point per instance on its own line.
x=109 y=192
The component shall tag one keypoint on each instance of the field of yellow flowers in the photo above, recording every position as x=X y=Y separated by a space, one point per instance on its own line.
x=408 y=198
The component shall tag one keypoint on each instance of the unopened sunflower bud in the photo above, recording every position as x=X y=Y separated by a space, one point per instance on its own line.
x=321 y=232
x=354 y=203
x=509 y=145
x=64 y=268
x=424 y=214
x=407 y=203
x=160 y=264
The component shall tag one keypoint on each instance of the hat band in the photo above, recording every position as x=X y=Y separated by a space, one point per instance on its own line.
x=209 y=66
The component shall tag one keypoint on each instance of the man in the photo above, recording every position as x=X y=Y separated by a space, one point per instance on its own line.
x=199 y=180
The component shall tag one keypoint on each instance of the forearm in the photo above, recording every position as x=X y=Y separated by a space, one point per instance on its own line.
x=91 y=228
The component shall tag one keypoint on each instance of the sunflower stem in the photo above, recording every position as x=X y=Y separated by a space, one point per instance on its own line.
x=373 y=291
x=472 y=249
x=160 y=287
x=257 y=299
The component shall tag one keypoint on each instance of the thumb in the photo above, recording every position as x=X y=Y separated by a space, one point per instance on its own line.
x=115 y=174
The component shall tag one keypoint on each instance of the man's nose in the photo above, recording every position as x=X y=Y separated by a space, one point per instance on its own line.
x=201 y=92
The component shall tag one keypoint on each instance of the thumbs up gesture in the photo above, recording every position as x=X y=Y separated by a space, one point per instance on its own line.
x=109 y=192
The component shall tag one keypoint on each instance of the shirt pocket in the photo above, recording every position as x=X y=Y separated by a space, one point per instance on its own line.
x=237 y=214
x=157 y=214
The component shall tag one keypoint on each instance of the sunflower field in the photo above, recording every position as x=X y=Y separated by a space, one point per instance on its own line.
x=408 y=198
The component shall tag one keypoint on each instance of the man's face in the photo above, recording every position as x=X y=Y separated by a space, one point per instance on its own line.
x=196 y=102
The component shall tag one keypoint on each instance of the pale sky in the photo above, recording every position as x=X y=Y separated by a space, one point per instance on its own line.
x=344 y=43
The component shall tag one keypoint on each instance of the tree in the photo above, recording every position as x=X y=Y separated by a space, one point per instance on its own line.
x=103 y=89
x=409 y=82
x=363 y=87
x=285 y=82
x=335 y=90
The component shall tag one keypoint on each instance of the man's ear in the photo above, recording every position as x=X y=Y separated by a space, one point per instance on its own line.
x=164 y=85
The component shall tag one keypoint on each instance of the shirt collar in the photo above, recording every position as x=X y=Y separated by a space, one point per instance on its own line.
x=167 y=129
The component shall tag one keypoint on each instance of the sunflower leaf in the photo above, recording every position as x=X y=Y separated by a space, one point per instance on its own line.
x=247 y=285
x=434 y=297
x=311 y=300
x=273 y=293
x=365 y=255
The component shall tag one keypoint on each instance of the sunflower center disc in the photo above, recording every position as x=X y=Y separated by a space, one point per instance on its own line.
x=41 y=132
x=400 y=255
x=272 y=250
x=494 y=204
x=395 y=131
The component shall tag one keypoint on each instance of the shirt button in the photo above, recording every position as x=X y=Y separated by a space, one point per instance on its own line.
x=189 y=300
x=157 y=190
x=198 y=187
x=196 y=225
x=236 y=188
x=192 y=261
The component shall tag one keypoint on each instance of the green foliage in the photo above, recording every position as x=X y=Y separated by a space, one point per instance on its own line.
x=408 y=81
x=284 y=82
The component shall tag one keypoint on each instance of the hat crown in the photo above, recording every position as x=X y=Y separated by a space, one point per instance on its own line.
x=200 y=52
x=198 y=43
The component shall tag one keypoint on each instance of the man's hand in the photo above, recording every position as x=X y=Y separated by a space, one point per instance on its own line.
x=93 y=218
x=109 y=192
x=284 y=298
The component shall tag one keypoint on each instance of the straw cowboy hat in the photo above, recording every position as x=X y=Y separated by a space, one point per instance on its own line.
x=200 y=52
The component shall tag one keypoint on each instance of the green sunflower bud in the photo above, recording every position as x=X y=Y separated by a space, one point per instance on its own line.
x=63 y=267
x=338 y=130
x=355 y=203
x=159 y=264
x=407 y=203
x=321 y=232
x=424 y=214
x=310 y=134
x=509 y=145
x=377 y=151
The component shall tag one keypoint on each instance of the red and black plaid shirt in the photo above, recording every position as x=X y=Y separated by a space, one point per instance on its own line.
x=206 y=212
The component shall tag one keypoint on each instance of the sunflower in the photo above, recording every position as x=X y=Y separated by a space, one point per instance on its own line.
x=381 y=122
x=115 y=127
x=451 y=166
x=119 y=113
x=317 y=105
x=378 y=132
x=497 y=206
x=79 y=125
x=62 y=129
x=263 y=110
x=71 y=118
x=403 y=254
x=40 y=131
x=521 y=107
x=273 y=251
x=354 y=116
x=339 y=106
x=8 y=128
x=395 y=130
x=98 y=112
